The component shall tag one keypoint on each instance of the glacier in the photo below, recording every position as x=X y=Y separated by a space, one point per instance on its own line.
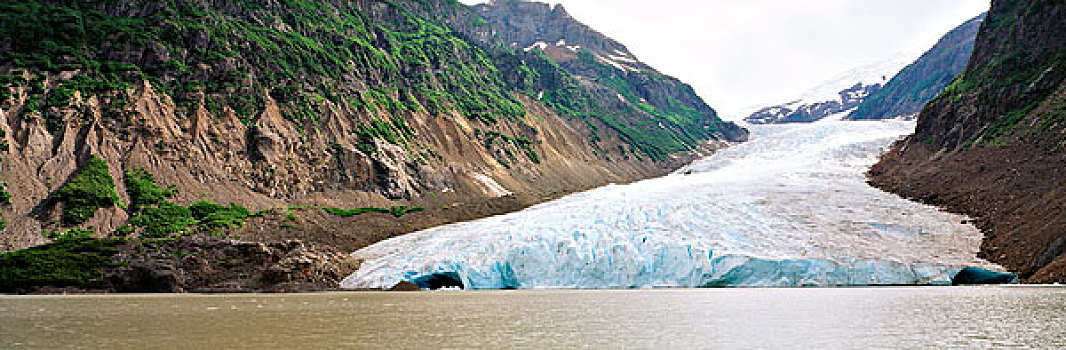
x=788 y=208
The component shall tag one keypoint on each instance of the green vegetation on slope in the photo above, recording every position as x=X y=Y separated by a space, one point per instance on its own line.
x=158 y=217
x=5 y=196
x=391 y=56
x=674 y=126
x=74 y=260
x=89 y=190
x=397 y=211
x=304 y=52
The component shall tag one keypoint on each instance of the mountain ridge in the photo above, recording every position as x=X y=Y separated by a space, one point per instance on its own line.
x=290 y=106
x=922 y=80
x=893 y=88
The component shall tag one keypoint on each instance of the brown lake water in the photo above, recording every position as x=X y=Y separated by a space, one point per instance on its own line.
x=928 y=317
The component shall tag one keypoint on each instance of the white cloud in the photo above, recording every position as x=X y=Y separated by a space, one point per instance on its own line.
x=742 y=53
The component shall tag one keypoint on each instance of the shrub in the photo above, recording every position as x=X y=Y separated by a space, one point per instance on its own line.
x=404 y=210
x=90 y=189
x=163 y=220
x=202 y=209
x=397 y=211
x=58 y=234
x=5 y=196
x=347 y=213
x=123 y=231
x=215 y=217
x=74 y=260
x=143 y=192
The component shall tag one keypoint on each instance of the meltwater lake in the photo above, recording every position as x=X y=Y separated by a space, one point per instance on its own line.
x=890 y=317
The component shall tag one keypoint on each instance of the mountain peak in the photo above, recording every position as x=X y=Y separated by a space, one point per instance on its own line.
x=560 y=11
x=526 y=24
x=605 y=65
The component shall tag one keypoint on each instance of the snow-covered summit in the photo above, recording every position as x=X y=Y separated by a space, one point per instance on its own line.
x=835 y=96
x=871 y=74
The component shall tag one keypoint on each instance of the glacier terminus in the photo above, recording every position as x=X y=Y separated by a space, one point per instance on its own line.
x=789 y=208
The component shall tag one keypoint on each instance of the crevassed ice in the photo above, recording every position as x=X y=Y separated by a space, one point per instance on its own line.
x=788 y=208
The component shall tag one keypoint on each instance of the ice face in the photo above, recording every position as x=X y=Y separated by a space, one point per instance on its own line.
x=789 y=208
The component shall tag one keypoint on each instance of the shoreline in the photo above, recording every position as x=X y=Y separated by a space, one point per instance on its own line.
x=535 y=290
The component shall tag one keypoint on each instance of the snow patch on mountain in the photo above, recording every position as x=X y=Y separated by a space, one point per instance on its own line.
x=876 y=73
x=841 y=93
x=562 y=43
x=540 y=45
x=490 y=186
x=620 y=63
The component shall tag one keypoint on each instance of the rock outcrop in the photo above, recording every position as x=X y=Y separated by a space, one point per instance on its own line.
x=215 y=265
x=524 y=24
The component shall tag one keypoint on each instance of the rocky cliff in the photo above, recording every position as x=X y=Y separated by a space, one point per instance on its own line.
x=992 y=144
x=921 y=81
x=118 y=116
x=658 y=114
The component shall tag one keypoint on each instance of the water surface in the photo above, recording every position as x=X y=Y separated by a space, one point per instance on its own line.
x=676 y=318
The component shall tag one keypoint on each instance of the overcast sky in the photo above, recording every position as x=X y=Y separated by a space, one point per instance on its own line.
x=744 y=53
